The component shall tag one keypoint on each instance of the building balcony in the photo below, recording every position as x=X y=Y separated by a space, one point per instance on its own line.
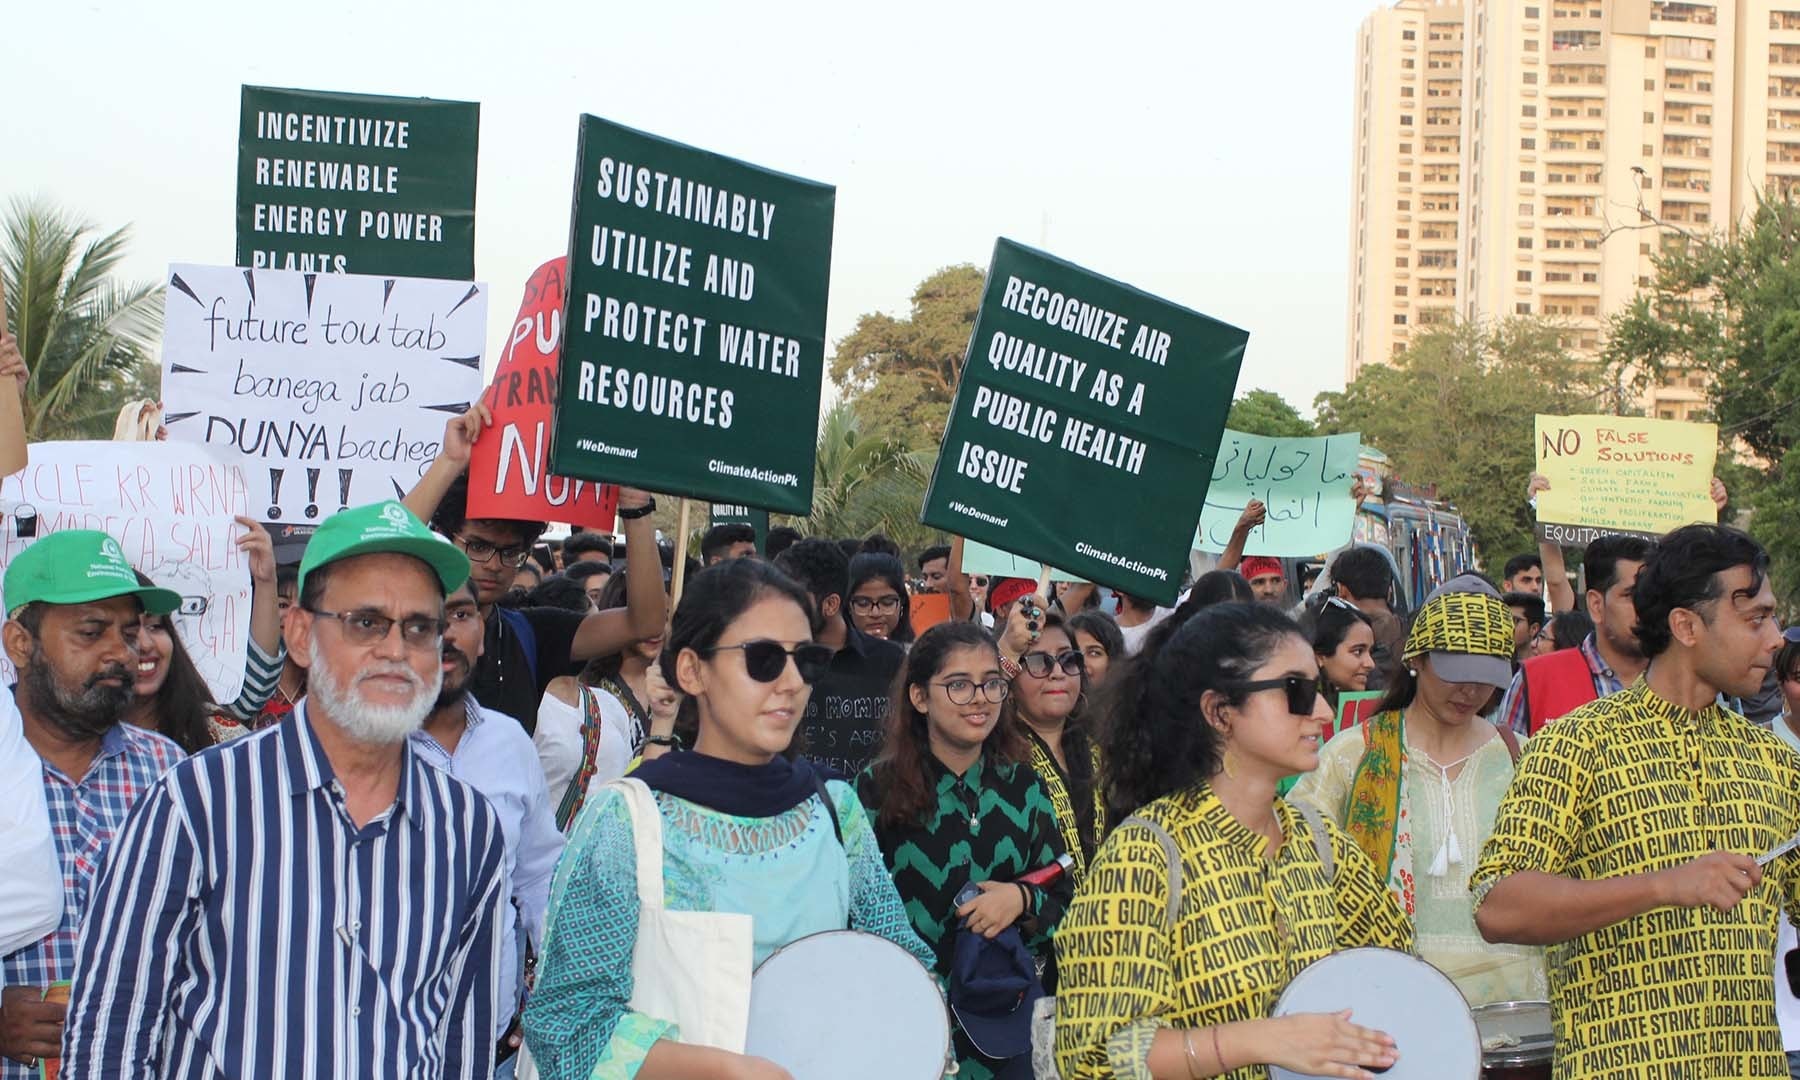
x=1699 y=14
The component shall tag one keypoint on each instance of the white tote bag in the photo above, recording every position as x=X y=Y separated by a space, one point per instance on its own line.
x=689 y=967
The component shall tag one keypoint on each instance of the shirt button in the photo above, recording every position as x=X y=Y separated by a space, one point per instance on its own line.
x=356 y=1010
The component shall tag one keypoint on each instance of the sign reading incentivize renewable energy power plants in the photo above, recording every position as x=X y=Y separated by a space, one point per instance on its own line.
x=695 y=334
x=1085 y=424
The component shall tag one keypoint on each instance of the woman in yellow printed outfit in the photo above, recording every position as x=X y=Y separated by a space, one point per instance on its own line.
x=1200 y=733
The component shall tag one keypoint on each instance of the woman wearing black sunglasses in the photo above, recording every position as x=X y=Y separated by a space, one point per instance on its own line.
x=1198 y=734
x=744 y=830
x=956 y=803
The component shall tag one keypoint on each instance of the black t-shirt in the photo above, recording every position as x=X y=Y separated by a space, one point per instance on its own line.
x=849 y=703
x=503 y=678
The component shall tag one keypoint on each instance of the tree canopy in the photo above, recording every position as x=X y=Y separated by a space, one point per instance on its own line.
x=1264 y=412
x=902 y=372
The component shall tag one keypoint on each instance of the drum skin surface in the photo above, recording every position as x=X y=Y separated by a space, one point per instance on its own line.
x=1517 y=1042
x=1400 y=994
x=845 y=1004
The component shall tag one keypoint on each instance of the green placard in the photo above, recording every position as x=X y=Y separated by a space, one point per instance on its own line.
x=726 y=514
x=356 y=183
x=1085 y=424
x=694 y=342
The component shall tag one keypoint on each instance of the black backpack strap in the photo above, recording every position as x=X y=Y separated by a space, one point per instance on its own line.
x=830 y=807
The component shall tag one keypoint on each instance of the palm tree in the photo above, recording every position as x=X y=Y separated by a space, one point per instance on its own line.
x=86 y=338
x=863 y=483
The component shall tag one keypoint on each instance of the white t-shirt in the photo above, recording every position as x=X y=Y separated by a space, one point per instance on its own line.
x=558 y=742
x=31 y=889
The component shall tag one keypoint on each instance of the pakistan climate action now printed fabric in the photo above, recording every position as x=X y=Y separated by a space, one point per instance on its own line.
x=1631 y=784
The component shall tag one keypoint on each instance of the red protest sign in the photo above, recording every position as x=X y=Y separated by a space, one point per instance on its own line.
x=507 y=477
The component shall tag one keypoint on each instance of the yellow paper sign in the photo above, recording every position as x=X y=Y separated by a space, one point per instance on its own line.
x=1614 y=475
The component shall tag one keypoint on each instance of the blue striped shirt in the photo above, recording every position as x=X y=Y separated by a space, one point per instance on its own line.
x=244 y=926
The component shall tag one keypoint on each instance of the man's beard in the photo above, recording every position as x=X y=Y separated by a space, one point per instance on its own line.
x=360 y=718
x=1626 y=644
x=89 y=714
x=451 y=692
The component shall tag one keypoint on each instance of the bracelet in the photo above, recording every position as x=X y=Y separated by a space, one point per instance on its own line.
x=1193 y=1060
x=635 y=512
x=1025 y=891
x=1009 y=668
x=1220 y=1054
x=673 y=742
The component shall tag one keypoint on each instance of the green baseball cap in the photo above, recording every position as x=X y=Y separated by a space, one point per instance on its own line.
x=79 y=566
x=383 y=527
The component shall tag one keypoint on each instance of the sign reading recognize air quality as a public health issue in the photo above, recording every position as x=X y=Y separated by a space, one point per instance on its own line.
x=331 y=389
x=694 y=342
x=1612 y=475
x=356 y=183
x=1085 y=424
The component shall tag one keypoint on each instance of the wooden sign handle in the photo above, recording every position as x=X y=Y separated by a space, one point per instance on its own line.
x=12 y=412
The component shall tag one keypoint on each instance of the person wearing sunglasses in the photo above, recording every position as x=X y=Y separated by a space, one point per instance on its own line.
x=1049 y=693
x=1200 y=730
x=955 y=802
x=526 y=647
x=744 y=830
x=1418 y=785
x=879 y=606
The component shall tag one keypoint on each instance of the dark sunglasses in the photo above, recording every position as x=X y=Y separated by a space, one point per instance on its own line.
x=1301 y=692
x=1038 y=664
x=765 y=660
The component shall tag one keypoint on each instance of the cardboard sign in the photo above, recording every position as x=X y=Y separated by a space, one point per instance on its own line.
x=508 y=470
x=356 y=184
x=332 y=389
x=170 y=506
x=926 y=610
x=1614 y=475
x=1303 y=482
x=696 y=323
x=979 y=558
x=1354 y=707
x=1085 y=424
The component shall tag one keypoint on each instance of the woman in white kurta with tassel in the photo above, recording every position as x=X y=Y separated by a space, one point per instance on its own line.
x=1418 y=787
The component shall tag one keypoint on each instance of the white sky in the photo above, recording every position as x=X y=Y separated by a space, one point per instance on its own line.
x=1199 y=150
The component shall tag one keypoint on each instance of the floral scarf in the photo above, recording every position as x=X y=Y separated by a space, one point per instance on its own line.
x=1377 y=817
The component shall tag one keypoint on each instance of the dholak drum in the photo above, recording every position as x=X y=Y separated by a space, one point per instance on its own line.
x=1396 y=992
x=1516 y=1040
x=848 y=1004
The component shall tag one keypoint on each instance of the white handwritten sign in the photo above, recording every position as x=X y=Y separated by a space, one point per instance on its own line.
x=170 y=506
x=1304 y=483
x=332 y=389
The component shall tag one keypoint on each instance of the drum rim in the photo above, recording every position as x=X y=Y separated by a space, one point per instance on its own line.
x=949 y=1021
x=1275 y=1011
x=1533 y=1054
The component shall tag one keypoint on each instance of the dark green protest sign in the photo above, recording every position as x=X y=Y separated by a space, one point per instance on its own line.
x=1085 y=424
x=726 y=514
x=694 y=341
x=356 y=184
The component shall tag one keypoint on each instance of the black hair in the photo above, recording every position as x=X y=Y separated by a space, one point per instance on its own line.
x=851 y=547
x=545 y=558
x=581 y=543
x=287 y=579
x=612 y=595
x=1330 y=625
x=452 y=514
x=586 y=568
x=559 y=591
x=1684 y=572
x=879 y=544
x=184 y=702
x=780 y=538
x=1364 y=571
x=535 y=569
x=1518 y=564
x=711 y=601
x=1787 y=659
x=820 y=566
x=1568 y=629
x=933 y=554
x=1601 y=559
x=1212 y=587
x=1077 y=743
x=1156 y=740
x=1102 y=628
x=718 y=539
x=1533 y=605
x=878 y=566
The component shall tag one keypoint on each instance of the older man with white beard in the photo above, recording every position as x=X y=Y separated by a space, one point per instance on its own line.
x=314 y=899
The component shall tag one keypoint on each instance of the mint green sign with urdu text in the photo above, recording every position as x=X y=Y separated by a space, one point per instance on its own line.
x=694 y=339
x=1085 y=424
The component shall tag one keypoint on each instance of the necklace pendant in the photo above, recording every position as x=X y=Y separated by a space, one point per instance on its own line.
x=974 y=825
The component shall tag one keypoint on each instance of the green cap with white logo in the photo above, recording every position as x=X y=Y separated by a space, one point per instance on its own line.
x=383 y=527
x=79 y=566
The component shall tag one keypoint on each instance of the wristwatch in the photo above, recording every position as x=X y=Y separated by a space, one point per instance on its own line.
x=673 y=742
x=633 y=513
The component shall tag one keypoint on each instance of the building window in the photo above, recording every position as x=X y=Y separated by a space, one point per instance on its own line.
x=1409 y=35
x=1649 y=118
x=1403 y=234
x=1531 y=78
x=1524 y=243
x=1531 y=45
x=1403 y=204
x=1531 y=13
x=1529 y=110
x=1399 y=290
x=1407 y=63
x=1649 y=151
x=1406 y=148
x=1643 y=249
x=1643 y=281
x=1650 y=52
x=1649 y=84
x=1406 y=121
x=1524 y=275
x=1522 y=308
x=1527 y=176
x=1400 y=262
x=1406 y=91
x=1528 y=143
x=1524 y=209
x=1406 y=177
x=1400 y=319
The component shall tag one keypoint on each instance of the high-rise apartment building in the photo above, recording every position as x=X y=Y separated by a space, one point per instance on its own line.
x=1592 y=132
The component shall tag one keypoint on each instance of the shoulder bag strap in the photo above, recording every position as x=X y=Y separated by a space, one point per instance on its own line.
x=646 y=835
x=830 y=807
x=1320 y=837
x=1173 y=854
x=1511 y=741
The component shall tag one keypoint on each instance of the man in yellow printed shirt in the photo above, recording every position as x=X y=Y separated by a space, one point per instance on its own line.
x=1626 y=842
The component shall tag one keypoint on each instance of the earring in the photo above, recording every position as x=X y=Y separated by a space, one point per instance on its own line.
x=1414 y=672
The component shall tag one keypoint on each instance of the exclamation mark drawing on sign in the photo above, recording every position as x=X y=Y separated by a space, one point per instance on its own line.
x=312 y=493
x=344 y=488
x=275 y=494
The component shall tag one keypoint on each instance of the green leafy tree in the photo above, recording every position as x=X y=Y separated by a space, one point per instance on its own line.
x=1264 y=412
x=865 y=483
x=1455 y=410
x=86 y=338
x=902 y=372
x=1726 y=307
